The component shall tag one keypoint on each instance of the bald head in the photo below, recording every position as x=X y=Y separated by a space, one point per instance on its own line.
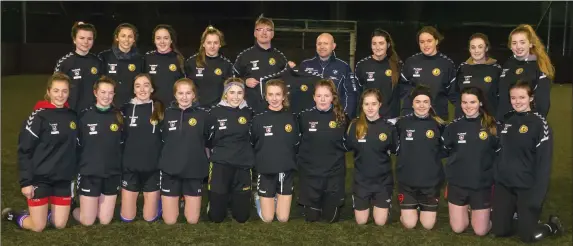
x=325 y=45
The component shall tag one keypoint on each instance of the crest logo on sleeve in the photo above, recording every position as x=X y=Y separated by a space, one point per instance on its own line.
x=487 y=79
x=483 y=135
x=388 y=72
x=288 y=128
x=222 y=124
x=113 y=127
x=199 y=72
x=93 y=130
x=268 y=130
x=255 y=67
x=218 y=71
x=272 y=61
x=172 y=125
x=54 y=128
x=370 y=76
x=94 y=70
x=417 y=71
x=242 y=120
x=152 y=68
x=467 y=79
x=131 y=67
x=312 y=126
x=429 y=133
x=72 y=125
x=461 y=137
x=332 y=124
x=523 y=129
x=192 y=122
x=382 y=137
x=436 y=72
x=77 y=73
x=410 y=135
x=519 y=71
x=172 y=67
x=112 y=68
x=303 y=88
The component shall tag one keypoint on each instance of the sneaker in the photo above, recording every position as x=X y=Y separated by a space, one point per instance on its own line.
x=557 y=222
x=8 y=214
x=258 y=205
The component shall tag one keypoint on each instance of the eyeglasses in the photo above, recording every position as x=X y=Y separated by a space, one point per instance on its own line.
x=264 y=30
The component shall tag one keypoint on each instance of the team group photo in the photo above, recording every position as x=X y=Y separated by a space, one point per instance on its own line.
x=343 y=138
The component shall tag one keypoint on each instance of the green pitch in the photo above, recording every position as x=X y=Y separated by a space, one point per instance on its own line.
x=20 y=93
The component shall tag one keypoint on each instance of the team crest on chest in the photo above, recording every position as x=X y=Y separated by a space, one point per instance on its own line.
x=382 y=137
x=332 y=124
x=417 y=71
x=93 y=130
x=312 y=126
x=467 y=79
x=133 y=120
x=370 y=76
x=172 y=67
x=388 y=72
x=172 y=125
x=523 y=129
x=436 y=72
x=461 y=137
x=288 y=128
x=113 y=127
x=77 y=73
x=222 y=124
x=218 y=71
x=519 y=71
x=54 y=127
x=268 y=130
x=72 y=125
x=255 y=67
x=272 y=61
x=303 y=88
x=152 y=68
x=94 y=70
x=131 y=67
x=410 y=135
x=429 y=133
x=112 y=68
x=483 y=135
x=192 y=122
x=199 y=72
x=487 y=79
x=242 y=120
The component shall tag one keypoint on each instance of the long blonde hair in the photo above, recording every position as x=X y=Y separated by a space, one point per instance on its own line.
x=538 y=49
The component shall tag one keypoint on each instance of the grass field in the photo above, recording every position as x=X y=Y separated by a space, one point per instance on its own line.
x=19 y=94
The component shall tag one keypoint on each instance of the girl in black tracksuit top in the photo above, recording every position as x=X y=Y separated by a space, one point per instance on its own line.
x=523 y=171
x=321 y=159
x=231 y=158
x=484 y=76
x=121 y=66
x=164 y=65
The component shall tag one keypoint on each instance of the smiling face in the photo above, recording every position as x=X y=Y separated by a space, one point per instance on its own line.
x=371 y=106
x=379 y=47
x=184 y=95
x=470 y=104
x=162 y=40
x=520 y=44
x=275 y=97
x=104 y=94
x=421 y=104
x=125 y=38
x=323 y=98
x=58 y=93
x=264 y=33
x=520 y=99
x=428 y=44
x=84 y=40
x=212 y=44
x=325 y=45
x=235 y=96
x=142 y=88
x=478 y=49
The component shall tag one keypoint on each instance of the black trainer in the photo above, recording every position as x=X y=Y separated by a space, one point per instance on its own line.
x=555 y=221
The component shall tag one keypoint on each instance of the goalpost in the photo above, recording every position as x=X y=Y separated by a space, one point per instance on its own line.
x=344 y=32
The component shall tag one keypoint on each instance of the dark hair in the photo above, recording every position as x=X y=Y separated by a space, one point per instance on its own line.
x=361 y=124
x=392 y=55
x=523 y=84
x=107 y=80
x=122 y=26
x=158 y=109
x=83 y=26
x=200 y=60
x=173 y=36
x=281 y=84
x=432 y=31
x=422 y=89
x=482 y=37
x=337 y=107
x=487 y=120
x=57 y=76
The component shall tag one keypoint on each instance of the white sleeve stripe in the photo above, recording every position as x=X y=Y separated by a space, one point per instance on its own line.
x=30 y=130
x=404 y=77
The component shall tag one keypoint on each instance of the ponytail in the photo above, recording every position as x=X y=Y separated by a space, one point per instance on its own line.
x=538 y=49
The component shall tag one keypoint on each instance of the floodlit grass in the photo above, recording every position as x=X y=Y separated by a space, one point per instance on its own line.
x=20 y=93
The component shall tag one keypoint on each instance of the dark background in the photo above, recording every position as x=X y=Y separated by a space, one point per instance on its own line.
x=48 y=26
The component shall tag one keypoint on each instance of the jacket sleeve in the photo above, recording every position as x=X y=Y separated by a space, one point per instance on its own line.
x=453 y=95
x=447 y=143
x=543 y=161
x=254 y=138
x=27 y=142
x=240 y=67
x=348 y=139
x=189 y=67
x=209 y=130
x=455 y=92
x=296 y=131
x=349 y=93
x=395 y=144
x=230 y=70
x=493 y=92
x=62 y=65
x=542 y=94
x=405 y=86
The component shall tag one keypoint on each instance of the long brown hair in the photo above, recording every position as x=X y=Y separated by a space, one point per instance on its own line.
x=432 y=31
x=128 y=26
x=523 y=84
x=173 y=36
x=107 y=80
x=487 y=120
x=422 y=89
x=361 y=124
x=57 y=76
x=158 y=109
x=337 y=107
x=210 y=30
x=281 y=84
x=538 y=49
x=393 y=57
x=83 y=26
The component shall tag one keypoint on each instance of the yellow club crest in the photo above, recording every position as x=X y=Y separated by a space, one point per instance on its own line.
x=303 y=88
x=388 y=72
x=272 y=61
x=192 y=122
x=172 y=67
x=131 y=67
x=72 y=125
x=242 y=120
x=288 y=128
x=218 y=71
x=483 y=135
x=332 y=124
x=113 y=127
x=436 y=71
x=94 y=70
x=487 y=79
x=519 y=71
x=429 y=133
x=382 y=137
x=523 y=129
